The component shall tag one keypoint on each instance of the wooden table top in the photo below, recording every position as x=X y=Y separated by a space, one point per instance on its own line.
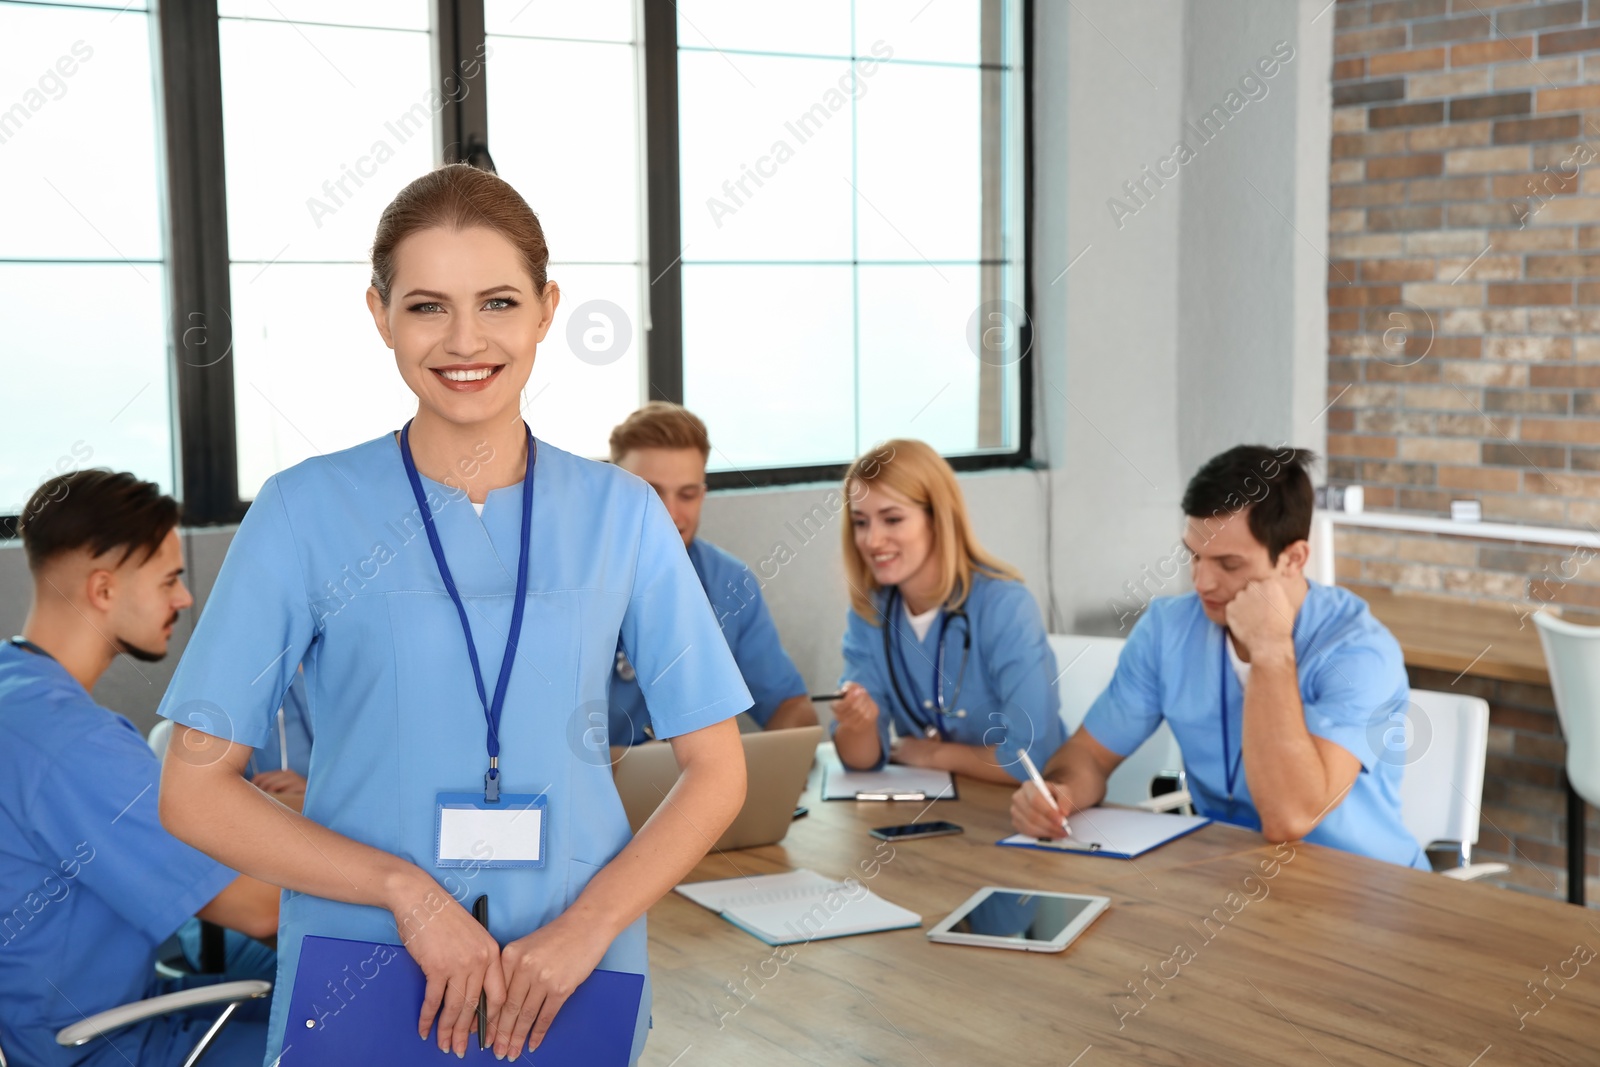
x=1334 y=959
x=1487 y=640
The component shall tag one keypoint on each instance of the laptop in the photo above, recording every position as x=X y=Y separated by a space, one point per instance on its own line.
x=777 y=763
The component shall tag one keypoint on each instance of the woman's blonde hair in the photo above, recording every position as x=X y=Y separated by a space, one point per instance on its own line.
x=915 y=471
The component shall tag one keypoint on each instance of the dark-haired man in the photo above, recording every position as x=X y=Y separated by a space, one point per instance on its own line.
x=1279 y=691
x=91 y=882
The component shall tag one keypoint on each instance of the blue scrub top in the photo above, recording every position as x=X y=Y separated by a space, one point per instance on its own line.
x=752 y=637
x=297 y=729
x=1352 y=683
x=331 y=569
x=1009 y=691
x=91 y=882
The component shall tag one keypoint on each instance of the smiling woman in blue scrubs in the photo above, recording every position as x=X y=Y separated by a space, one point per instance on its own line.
x=943 y=639
x=373 y=567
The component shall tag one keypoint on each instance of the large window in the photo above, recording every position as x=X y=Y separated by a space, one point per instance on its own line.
x=84 y=349
x=565 y=131
x=843 y=221
x=804 y=221
x=312 y=158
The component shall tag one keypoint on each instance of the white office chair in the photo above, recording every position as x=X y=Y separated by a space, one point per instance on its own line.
x=1442 y=789
x=230 y=993
x=160 y=737
x=1086 y=665
x=1572 y=655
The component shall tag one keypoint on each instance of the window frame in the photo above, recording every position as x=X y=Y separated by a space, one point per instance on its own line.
x=193 y=183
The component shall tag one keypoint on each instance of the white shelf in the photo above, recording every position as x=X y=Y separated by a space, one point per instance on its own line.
x=1494 y=531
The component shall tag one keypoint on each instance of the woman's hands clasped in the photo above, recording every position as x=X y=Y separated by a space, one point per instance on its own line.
x=541 y=971
x=525 y=984
x=458 y=957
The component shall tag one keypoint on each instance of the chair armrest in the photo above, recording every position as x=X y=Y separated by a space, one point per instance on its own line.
x=82 y=1033
x=1473 y=871
x=1166 y=801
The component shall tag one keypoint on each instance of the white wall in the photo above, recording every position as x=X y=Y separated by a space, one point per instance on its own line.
x=1197 y=323
x=1195 y=318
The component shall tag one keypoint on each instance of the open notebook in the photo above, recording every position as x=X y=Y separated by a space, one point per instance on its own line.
x=893 y=782
x=1121 y=833
x=782 y=909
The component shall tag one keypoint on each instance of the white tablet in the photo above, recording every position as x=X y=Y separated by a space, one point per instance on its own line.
x=1019 y=918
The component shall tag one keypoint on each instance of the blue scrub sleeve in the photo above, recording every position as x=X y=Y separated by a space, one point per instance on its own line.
x=1129 y=711
x=96 y=813
x=1360 y=695
x=767 y=669
x=864 y=665
x=254 y=630
x=688 y=676
x=1022 y=671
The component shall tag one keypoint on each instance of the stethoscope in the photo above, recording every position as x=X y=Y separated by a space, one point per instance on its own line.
x=935 y=728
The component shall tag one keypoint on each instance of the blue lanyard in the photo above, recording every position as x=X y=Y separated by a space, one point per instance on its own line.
x=1230 y=770
x=491 y=711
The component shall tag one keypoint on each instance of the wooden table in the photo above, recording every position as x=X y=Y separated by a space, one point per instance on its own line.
x=1485 y=640
x=1336 y=959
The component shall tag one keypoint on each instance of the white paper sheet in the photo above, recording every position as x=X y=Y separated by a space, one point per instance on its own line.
x=841 y=784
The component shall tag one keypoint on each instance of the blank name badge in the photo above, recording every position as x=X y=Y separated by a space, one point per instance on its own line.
x=474 y=833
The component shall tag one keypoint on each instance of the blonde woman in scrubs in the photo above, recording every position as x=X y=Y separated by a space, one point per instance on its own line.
x=406 y=631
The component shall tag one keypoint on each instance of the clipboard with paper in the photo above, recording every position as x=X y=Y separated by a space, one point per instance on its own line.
x=358 y=1002
x=891 y=782
x=1118 y=833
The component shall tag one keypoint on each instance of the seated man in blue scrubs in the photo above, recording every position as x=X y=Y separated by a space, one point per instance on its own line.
x=1278 y=690
x=667 y=446
x=91 y=882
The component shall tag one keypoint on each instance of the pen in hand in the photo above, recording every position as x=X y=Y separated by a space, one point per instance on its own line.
x=480 y=911
x=1039 y=784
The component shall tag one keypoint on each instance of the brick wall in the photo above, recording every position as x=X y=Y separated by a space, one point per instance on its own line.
x=1464 y=335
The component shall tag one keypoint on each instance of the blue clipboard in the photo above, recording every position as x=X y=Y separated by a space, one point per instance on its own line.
x=362 y=999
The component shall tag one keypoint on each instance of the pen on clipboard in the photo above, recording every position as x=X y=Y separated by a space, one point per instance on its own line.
x=1038 y=783
x=480 y=911
x=878 y=794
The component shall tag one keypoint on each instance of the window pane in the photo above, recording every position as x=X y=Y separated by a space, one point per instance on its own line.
x=579 y=166
x=920 y=164
x=79 y=95
x=787 y=326
x=937 y=30
x=593 y=20
x=314 y=159
x=115 y=413
x=573 y=157
x=587 y=376
x=311 y=374
x=106 y=5
x=765 y=171
x=821 y=27
x=919 y=375
x=391 y=14
x=888 y=151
